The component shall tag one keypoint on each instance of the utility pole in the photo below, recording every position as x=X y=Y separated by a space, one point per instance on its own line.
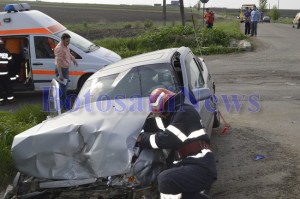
x=182 y=12
x=165 y=12
x=278 y=4
x=203 y=13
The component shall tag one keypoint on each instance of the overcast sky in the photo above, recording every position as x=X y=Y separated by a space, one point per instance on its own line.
x=283 y=4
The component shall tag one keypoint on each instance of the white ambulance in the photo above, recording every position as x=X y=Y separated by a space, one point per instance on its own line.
x=39 y=34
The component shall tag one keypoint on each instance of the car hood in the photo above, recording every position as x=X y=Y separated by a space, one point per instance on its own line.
x=87 y=143
x=107 y=54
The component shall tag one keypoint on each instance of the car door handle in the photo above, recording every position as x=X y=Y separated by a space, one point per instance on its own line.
x=37 y=64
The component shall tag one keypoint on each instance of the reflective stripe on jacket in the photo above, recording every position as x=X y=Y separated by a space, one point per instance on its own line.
x=182 y=127
x=5 y=57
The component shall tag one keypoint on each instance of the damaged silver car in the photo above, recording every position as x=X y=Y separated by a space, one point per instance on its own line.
x=90 y=151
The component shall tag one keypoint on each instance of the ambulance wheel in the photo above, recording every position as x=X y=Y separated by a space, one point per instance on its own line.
x=82 y=81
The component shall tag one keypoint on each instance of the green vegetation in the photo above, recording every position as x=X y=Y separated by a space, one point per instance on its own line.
x=274 y=13
x=12 y=124
x=263 y=5
x=231 y=28
x=284 y=20
x=212 y=41
x=103 y=25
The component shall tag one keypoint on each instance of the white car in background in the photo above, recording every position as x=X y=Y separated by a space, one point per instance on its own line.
x=296 y=22
x=267 y=19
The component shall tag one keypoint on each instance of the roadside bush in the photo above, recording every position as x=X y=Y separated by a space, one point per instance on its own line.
x=214 y=37
x=138 y=24
x=284 y=20
x=275 y=13
x=127 y=26
x=148 y=24
x=217 y=50
x=7 y=131
x=167 y=37
x=12 y=124
x=30 y=114
x=231 y=28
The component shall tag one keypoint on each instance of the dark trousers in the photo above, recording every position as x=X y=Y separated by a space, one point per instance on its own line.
x=14 y=65
x=254 y=28
x=63 y=88
x=247 y=28
x=188 y=180
x=5 y=87
x=209 y=25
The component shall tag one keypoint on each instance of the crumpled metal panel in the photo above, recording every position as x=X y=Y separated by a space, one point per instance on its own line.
x=148 y=165
x=87 y=143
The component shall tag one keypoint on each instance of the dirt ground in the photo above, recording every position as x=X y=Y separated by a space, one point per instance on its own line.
x=272 y=73
x=242 y=176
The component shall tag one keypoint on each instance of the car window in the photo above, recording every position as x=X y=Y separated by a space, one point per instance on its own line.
x=156 y=76
x=133 y=83
x=44 y=47
x=195 y=79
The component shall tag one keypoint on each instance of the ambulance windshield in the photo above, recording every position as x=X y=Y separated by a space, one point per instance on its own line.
x=80 y=42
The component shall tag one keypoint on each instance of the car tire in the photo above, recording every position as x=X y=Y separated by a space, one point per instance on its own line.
x=82 y=81
x=217 y=122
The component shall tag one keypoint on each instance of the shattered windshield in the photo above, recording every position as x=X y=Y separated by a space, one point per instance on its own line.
x=133 y=83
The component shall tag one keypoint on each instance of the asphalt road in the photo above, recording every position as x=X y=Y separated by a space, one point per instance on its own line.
x=266 y=83
x=268 y=127
x=23 y=99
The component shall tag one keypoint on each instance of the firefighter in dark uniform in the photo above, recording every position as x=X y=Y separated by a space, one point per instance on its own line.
x=193 y=166
x=6 y=92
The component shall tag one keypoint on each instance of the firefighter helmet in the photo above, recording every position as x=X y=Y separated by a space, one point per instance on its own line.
x=158 y=99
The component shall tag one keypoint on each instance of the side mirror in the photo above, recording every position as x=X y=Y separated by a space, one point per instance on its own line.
x=201 y=94
x=54 y=98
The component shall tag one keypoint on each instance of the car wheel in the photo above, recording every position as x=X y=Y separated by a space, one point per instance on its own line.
x=217 y=122
x=82 y=81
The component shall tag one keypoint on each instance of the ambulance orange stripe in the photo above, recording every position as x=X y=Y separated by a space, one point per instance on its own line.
x=56 y=28
x=75 y=73
x=25 y=31
x=51 y=72
x=43 y=72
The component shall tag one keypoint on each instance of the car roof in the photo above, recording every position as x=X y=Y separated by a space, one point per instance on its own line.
x=155 y=57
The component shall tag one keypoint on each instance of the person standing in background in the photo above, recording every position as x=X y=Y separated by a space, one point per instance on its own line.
x=6 y=92
x=209 y=18
x=15 y=47
x=254 y=21
x=262 y=14
x=247 y=15
x=63 y=59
